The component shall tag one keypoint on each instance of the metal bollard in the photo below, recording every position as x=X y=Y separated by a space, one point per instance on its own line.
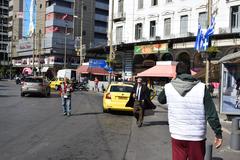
x=208 y=155
x=235 y=135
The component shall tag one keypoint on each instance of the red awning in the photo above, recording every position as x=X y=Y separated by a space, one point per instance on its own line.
x=159 y=71
x=85 y=69
x=98 y=71
x=82 y=69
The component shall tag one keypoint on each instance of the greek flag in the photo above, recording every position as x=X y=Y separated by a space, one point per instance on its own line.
x=199 y=38
x=210 y=32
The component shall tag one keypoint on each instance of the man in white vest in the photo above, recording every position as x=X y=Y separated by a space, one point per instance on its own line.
x=190 y=106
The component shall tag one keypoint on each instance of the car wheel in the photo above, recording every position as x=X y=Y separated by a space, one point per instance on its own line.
x=105 y=110
x=49 y=92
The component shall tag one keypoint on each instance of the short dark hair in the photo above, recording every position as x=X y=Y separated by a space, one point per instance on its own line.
x=182 y=68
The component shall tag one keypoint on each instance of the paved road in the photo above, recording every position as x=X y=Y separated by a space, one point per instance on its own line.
x=34 y=128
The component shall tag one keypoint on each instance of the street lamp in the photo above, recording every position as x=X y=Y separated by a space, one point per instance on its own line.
x=65 y=50
x=81 y=35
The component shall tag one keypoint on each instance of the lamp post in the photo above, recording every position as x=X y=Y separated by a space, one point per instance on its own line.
x=80 y=49
x=65 y=47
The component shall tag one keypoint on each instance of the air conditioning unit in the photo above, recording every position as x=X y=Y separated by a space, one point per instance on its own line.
x=223 y=30
x=190 y=34
x=157 y=38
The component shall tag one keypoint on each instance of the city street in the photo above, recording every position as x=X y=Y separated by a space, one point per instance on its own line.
x=35 y=128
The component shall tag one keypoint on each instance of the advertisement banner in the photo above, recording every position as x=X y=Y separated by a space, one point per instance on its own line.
x=29 y=23
x=230 y=89
x=151 y=49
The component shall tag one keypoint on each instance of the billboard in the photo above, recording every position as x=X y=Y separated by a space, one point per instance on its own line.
x=151 y=49
x=230 y=89
x=29 y=22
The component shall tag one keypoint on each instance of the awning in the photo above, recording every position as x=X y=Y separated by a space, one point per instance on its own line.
x=230 y=57
x=162 y=69
x=82 y=69
x=85 y=69
x=159 y=71
x=98 y=71
x=44 y=69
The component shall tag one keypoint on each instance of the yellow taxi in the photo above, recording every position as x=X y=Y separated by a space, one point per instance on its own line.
x=55 y=83
x=117 y=96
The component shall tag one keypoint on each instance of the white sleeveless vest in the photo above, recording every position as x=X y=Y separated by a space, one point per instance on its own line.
x=186 y=115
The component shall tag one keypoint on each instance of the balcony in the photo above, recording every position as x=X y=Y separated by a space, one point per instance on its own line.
x=100 y=29
x=59 y=9
x=11 y=3
x=102 y=6
x=59 y=22
x=99 y=17
x=120 y=16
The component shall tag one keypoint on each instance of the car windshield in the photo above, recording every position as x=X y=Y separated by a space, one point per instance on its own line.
x=34 y=80
x=121 y=89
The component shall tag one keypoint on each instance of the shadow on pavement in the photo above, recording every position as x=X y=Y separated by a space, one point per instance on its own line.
x=217 y=158
x=124 y=113
x=9 y=96
x=90 y=113
x=153 y=123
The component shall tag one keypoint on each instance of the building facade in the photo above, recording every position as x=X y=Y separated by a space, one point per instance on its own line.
x=50 y=28
x=171 y=25
x=4 y=32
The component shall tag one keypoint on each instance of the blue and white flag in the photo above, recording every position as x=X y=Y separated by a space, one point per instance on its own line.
x=198 y=42
x=202 y=40
x=210 y=32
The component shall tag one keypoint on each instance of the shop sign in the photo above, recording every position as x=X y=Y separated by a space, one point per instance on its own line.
x=151 y=49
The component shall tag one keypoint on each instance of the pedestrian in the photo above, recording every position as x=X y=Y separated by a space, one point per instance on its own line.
x=65 y=91
x=189 y=107
x=96 y=81
x=140 y=100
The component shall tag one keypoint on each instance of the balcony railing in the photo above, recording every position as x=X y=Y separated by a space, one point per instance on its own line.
x=120 y=16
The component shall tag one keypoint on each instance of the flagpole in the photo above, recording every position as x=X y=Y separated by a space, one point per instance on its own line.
x=206 y=54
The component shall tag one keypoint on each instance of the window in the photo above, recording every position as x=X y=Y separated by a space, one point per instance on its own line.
x=154 y=2
x=120 y=6
x=168 y=1
x=167 y=26
x=235 y=18
x=121 y=89
x=152 y=29
x=203 y=20
x=183 y=25
x=140 y=4
x=119 y=30
x=138 y=31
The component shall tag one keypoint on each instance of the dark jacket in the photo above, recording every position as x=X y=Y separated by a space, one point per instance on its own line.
x=145 y=96
x=183 y=84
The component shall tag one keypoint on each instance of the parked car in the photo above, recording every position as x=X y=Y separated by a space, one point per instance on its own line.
x=55 y=83
x=35 y=85
x=116 y=97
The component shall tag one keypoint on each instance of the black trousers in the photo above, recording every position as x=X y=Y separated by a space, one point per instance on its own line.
x=138 y=111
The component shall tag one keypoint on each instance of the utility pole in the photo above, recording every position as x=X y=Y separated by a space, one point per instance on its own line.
x=33 y=53
x=111 y=54
x=39 y=51
x=81 y=35
x=206 y=54
x=65 y=47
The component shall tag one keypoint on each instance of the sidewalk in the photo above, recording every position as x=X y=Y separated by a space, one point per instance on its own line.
x=152 y=141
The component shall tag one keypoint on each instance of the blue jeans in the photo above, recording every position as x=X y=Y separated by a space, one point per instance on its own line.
x=66 y=104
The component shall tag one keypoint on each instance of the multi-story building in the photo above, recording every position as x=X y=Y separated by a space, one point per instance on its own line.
x=146 y=31
x=50 y=28
x=4 y=32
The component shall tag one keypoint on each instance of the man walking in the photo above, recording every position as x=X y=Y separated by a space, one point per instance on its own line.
x=189 y=107
x=65 y=91
x=140 y=100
